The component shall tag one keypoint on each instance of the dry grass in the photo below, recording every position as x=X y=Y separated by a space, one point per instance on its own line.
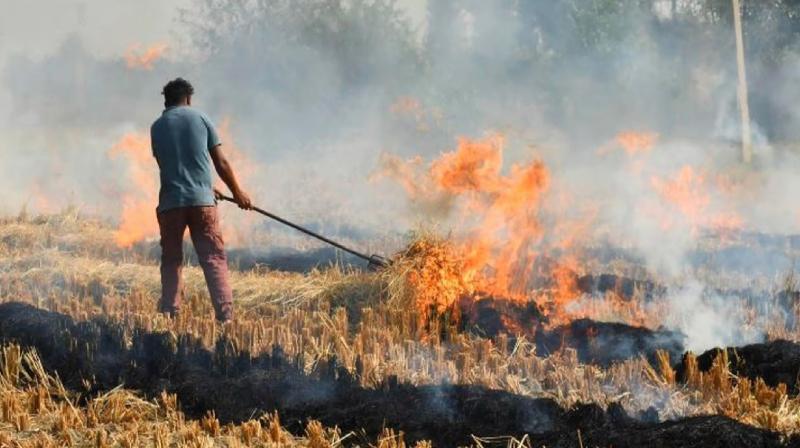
x=68 y=264
x=37 y=411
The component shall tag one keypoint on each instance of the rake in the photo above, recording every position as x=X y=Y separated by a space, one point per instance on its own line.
x=375 y=262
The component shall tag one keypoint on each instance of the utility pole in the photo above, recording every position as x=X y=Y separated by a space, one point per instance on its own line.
x=744 y=108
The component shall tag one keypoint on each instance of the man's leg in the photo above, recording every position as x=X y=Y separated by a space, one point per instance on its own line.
x=172 y=225
x=207 y=240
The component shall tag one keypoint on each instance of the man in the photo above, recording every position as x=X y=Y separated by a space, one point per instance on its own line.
x=185 y=144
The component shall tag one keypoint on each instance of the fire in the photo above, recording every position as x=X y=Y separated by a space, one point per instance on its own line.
x=138 y=58
x=138 y=218
x=436 y=275
x=632 y=142
x=727 y=223
x=636 y=142
x=686 y=191
x=500 y=242
x=689 y=192
x=565 y=283
x=244 y=165
x=519 y=232
x=405 y=172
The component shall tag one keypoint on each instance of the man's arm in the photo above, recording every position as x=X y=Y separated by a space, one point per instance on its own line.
x=153 y=147
x=227 y=175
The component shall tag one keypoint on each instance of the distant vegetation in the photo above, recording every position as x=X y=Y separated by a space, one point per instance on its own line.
x=660 y=57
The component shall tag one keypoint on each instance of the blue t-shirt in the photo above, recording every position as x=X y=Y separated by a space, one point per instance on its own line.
x=181 y=139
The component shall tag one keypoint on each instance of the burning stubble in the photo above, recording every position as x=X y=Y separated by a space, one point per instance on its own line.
x=517 y=235
x=610 y=160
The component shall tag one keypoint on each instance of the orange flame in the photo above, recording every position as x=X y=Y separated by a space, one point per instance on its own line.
x=501 y=238
x=632 y=142
x=501 y=244
x=689 y=192
x=686 y=192
x=437 y=277
x=636 y=142
x=565 y=283
x=519 y=230
x=138 y=58
x=138 y=218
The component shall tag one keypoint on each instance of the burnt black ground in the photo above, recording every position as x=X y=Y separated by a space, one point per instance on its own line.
x=623 y=286
x=238 y=387
x=600 y=343
x=775 y=361
x=604 y=343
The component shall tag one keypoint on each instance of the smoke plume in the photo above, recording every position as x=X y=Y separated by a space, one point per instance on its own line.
x=630 y=107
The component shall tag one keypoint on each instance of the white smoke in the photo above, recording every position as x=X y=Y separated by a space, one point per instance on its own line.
x=708 y=320
x=310 y=87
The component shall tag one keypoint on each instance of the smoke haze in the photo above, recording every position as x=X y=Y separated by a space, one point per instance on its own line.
x=313 y=92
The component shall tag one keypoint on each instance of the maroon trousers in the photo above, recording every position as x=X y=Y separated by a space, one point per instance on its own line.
x=204 y=229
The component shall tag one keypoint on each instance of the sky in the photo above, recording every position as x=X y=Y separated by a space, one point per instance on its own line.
x=106 y=27
x=37 y=27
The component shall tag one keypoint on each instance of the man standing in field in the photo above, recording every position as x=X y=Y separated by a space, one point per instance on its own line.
x=185 y=144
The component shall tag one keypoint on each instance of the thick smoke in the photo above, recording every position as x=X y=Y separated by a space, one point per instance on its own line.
x=314 y=91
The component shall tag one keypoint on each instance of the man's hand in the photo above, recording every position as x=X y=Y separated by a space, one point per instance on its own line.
x=242 y=200
x=225 y=172
x=218 y=194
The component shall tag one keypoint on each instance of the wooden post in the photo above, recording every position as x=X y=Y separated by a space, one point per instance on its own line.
x=744 y=108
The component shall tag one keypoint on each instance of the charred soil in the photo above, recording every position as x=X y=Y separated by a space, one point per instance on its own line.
x=776 y=362
x=237 y=386
x=600 y=343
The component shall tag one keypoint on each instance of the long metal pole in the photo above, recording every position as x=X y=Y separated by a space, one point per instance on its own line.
x=744 y=108
x=306 y=231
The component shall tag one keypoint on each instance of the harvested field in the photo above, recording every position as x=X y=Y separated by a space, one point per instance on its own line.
x=427 y=223
x=331 y=346
x=775 y=362
x=234 y=386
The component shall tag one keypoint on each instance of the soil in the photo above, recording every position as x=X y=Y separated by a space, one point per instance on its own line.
x=604 y=343
x=237 y=387
x=623 y=286
x=600 y=343
x=775 y=361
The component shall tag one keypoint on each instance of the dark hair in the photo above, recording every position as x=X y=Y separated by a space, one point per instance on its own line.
x=176 y=90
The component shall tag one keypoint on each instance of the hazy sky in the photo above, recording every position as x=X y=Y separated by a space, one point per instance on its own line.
x=107 y=27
